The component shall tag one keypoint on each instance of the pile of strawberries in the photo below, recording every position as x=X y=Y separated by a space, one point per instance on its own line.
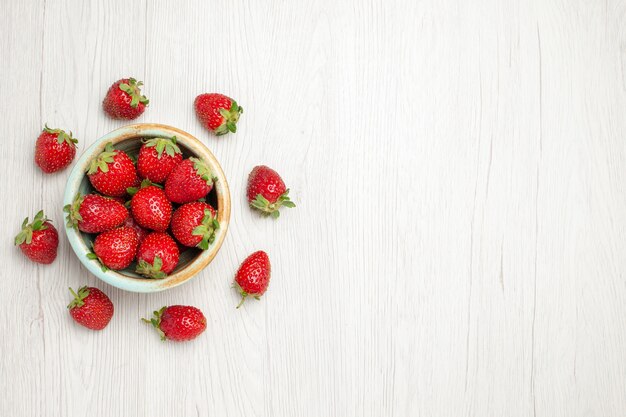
x=149 y=208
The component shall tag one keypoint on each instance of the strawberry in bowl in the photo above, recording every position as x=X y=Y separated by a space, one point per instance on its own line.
x=132 y=246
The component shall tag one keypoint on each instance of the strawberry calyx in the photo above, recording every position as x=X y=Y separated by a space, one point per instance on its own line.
x=244 y=294
x=144 y=183
x=206 y=229
x=26 y=234
x=103 y=160
x=62 y=136
x=151 y=270
x=92 y=256
x=72 y=210
x=156 y=322
x=133 y=89
x=271 y=209
x=79 y=297
x=203 y=171
x=168 y=145
x=231 y=116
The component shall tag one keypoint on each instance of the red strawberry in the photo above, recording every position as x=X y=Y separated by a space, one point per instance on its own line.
x=94 y=214
x=150 y=207
x=124 y=99
x=189 y=181
x=112 y=172
x=194 y=224
x=54 y=149
x=179 y=323
x=115 y=249
x=38 y=240
x=267 y=191
x=253 y=276
x=91 y=308
x=157 y=255
x=217 y=112
x=153 y=163
x=141 y=232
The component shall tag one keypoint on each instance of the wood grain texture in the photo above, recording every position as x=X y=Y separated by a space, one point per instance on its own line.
x=459 y=244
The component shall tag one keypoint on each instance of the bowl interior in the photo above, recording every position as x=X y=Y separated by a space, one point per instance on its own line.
x=192 y=260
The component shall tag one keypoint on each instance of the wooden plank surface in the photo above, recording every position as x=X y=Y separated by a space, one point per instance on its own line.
x=459 y=244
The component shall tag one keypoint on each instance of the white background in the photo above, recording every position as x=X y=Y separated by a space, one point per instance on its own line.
x=459 y=244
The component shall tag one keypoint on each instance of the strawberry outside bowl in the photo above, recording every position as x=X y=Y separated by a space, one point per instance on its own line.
x=192 y=260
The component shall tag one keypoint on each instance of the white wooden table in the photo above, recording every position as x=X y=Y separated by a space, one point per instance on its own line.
x=459 y=245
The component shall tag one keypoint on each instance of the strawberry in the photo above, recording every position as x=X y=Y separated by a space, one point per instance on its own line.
x=267 y=191
x=217 y=112
x=150 y=207
x=91 y=308
x=194 y=224
x=112 y=172
x=189 y=181
x=94 y=213
x=153 y=163
x=115 y=249
x=178 y=323
x=157 y=255
x=54 y=149
x=38 y=240
x=124 y=99
x=141 y=232
x=253 y=276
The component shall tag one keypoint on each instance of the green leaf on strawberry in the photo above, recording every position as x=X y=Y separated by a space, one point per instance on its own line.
x=92 y=256
x=62 y=136
x=26 y=234
x=206 y=229
x=72 y=210
x=168 y=145
x=103 y=160
x=79 y=298
x=156 y=321
x=203 y=170
x=151 y=271
x=231 y=117
x=271 y=209
x=132 y=88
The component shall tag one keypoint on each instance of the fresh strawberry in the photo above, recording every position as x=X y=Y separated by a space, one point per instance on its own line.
x=217 y=112
x=157 y=255
x=141 y=232
x=115 y=249
x=157 y=158
x=38 y=240
x=94 y=213
x=112 y=172
x=267 y=191
x=54 y=149
x=124 y=99
x=150 y=207
x=178 y=323
x=189 y=181
x=194 y=224
x=253 y=276
x=91 y=308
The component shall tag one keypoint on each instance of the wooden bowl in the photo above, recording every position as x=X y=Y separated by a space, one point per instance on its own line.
x=192 y=260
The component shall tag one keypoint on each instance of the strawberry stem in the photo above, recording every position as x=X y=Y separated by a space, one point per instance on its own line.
x=79 y=298
x=243 y=298
x=156 y=322
x=26 y=234
x=266 y=207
